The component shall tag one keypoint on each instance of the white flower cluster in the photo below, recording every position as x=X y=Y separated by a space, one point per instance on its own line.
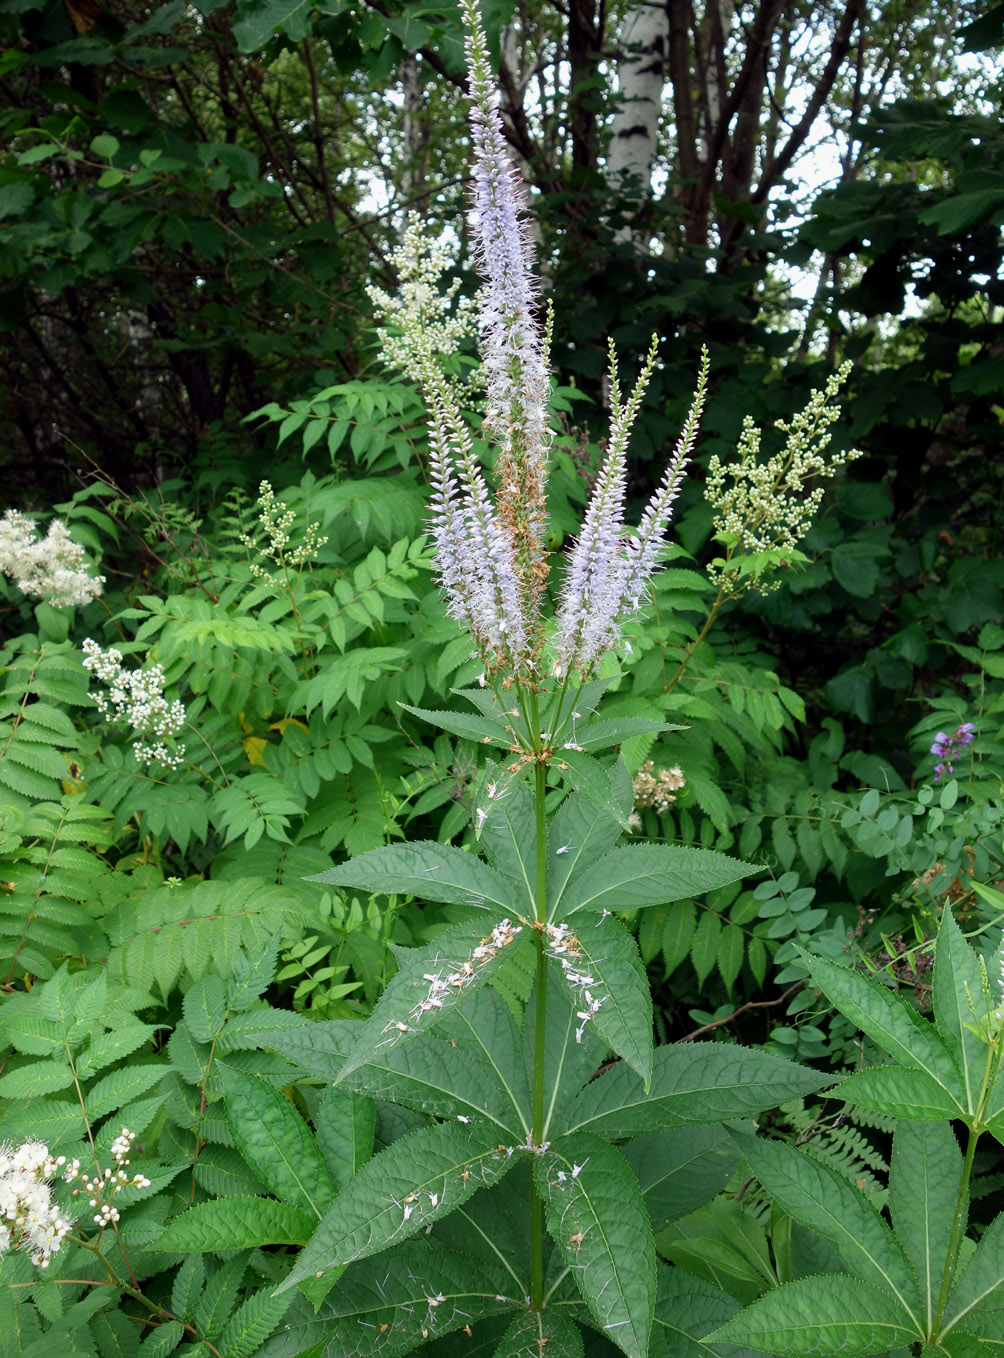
x=657 y=789
x=136 y=698
x=102 y=1187
x=431 y=319
x=29 y=1219
x=53 y=568
x=457 y=978
x=565 y=948
x=767 y=506
x=275 y=522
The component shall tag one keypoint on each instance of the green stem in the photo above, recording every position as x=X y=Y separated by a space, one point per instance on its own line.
x=958 y=1223
x=540 y=1018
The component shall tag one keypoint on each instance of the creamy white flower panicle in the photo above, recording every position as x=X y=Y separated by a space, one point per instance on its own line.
x=136 y=698
x=275 y=522
x=101 y=1187
x=29 y=1218
x=764 y=506
x=433 y=320
x=53 y=568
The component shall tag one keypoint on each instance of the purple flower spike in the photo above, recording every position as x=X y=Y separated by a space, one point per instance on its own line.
x=947 y=748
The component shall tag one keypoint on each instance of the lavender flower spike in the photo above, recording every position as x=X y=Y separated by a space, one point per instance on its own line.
x=589 y=607
x=513 y=350
x=477 y=569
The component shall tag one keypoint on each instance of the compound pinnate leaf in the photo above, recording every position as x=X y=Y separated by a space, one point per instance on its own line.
x=236 y=1224
x=418 y=1179
x=596 y=1215
x=819 y=1316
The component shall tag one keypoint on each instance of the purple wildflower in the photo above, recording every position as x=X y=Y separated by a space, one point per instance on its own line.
x=949 y=747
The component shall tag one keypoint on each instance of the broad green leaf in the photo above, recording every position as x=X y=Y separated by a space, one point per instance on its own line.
x=380 y=1306
x=546 y=1331
x=430 y=982
x=923 y=1187
x=956 y=970
x=432 y=872
x=890 y=1021
x=345 y=1128
x=509 y=836
x=432 y=1076
x=818 y=1316
x=692 y=1082
x=591 y=781
x=236 y=1224
x=681 y=1169
x=959 y=1345
x=31 y=1082
x=596 y=1215
x=583 y=832
x=649 y=874
x=106 y=1048
x=828 y=1204
x=899 y=1093
x=120 y=1087
x=481 y=729
x=276 y=1143
x=484 y=1026
x=686 y=1309
x=418 y=1179
x=320 y=1048
x=606 y=954
x=980 y=1286
x=607 y=731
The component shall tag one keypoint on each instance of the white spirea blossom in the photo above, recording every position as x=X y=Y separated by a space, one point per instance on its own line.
x=52 y=568
x=102 y=1187
x=765 y=506
x=275 y=521
x=136 y=698
x=433 y=321
x=29 y=1218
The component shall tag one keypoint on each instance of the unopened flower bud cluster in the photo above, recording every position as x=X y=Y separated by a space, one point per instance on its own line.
x=29 y=1219
x=275 y=521
x=566 y=949
x=103 y=1187
x=657 y=789
x=432 y=319
x=764 y=506
x=53 y=568
x=136 y=698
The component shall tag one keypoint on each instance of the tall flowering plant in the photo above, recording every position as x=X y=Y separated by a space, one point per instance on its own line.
x=525 y=1111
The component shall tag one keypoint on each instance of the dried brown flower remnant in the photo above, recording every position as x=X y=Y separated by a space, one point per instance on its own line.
x=657 y=789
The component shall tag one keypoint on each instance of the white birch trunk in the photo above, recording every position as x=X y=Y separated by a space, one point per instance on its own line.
x=641 y=79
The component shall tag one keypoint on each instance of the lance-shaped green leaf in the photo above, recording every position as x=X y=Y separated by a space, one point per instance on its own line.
x=830 y=1313
x=485 y=1027
x=596 y=1215
x=980 y=1286
x=321 y=1049
x=590 y=780
x=899 y=1093
x=345 y=1127
x=959 y=1345
x=607 y=731
x=433 y=872
x=681 y=1169
x=509 y=834
x=924 y=1183
x=432 y=1076
x=431 y=981
x=583 y=832
x=418 y=1179
x=828 y=1204
x=276 y=1143
x=650 y=874
x=483 y=729
x=890 y=1022
x=236 y=1224
x=546 y=1331
x=381 y=1306
x=692 y=1082
x=956 y=972
x=686 y=1309
x=600 y=965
